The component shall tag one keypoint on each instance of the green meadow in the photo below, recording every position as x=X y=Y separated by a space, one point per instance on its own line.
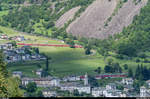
x=64 y=61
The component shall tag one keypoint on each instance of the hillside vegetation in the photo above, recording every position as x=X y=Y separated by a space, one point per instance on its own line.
x=39 y=17
x=9 y=86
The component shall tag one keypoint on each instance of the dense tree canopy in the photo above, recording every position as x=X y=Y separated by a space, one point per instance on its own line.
x=9 y=86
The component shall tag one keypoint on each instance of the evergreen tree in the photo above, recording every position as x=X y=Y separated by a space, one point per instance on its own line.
x=130 y=73
x=137 y=72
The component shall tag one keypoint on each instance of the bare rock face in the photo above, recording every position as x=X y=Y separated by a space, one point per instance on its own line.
x=91 y=22
x=66 y=17
x=123 y=19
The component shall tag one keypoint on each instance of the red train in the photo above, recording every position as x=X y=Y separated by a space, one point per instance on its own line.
x=55 y=45
x=107 y=76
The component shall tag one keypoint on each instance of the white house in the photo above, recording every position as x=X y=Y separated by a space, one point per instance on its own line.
x=148 y=83
x=19 y=51
x=6 y=46
x=25 y=81
x=85 y=89
x=144 y=92
x=20 y=38
x=71 y=86
x=48 y=93
x=4 y=36
x=71 y=78
x=127 y=81
x=41 y=82
x=39 y=72
x=97 y=91
x=55 y=82
x=111 y=93
x=111 y=86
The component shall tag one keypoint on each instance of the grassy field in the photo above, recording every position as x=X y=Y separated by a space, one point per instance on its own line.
x=2 y=13
x=65 y=61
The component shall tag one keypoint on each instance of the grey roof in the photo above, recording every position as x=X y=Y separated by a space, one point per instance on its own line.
x=17 y=72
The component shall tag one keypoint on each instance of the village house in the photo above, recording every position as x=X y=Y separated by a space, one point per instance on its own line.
x=97 y=91
x=26 y=57
x=17 y=74
x=42 y=82
x=111 y=86
x=26 y=47
x=18 y=38
x=26 y=80
x=39 y=72
x=19 y=51
x=35 y=56
x=144 y=92
x=7 y=46
x=4 y=36
x=71 y=86
x=71 y=78
x=49 y=93
x=148 y=83
x=101 y=91
x=112 y=93
x=127 y=81
x=75 y=86
x=16 y=58
x=128 y=88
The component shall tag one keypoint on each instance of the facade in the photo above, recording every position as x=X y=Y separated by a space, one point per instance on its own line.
x=39 y=72
x=25 y=81
x=144 y=92
x=86 y=80
x=18 y=38
x=42 y=82
x=148 y=83
x=6 y=46
x=71 y=78
x=80 y=88
x=111 y=86
x=97 y=91
x=48 y=93
x=4 y=36
x=127 y=81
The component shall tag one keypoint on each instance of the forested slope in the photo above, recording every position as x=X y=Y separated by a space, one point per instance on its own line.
x=9 y=86
x=40 y=17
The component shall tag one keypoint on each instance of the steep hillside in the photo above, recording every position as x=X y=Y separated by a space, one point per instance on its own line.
x=87 y=18
x=66 y=17
x=39 y=16
x=92 y=23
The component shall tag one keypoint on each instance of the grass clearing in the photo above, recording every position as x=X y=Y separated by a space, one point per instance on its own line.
x=65 y=61
x=2 y=13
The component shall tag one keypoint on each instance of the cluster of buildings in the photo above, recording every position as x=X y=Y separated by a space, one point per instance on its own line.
x=72 y=83
x=15 y=38
x=145 y=91
x=13 y=54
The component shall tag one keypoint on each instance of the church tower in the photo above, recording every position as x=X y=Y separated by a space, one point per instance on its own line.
x=86 y=79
